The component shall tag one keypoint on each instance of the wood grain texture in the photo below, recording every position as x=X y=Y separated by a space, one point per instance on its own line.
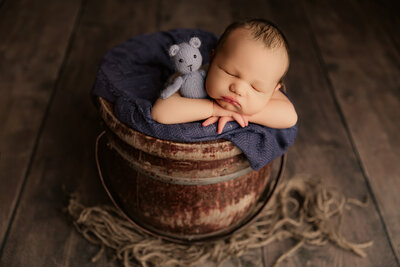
x=384 y=17
x=41 y=234
x=33 y=39
x=363 y=68
x=323 y=147
x=208 y=15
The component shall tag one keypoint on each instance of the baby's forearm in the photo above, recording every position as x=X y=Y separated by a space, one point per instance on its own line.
x=279 y=114
x=177 y=109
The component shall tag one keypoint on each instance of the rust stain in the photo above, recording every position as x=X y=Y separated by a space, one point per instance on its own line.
x=181 y=209
x=176 y=208
x=178 y=168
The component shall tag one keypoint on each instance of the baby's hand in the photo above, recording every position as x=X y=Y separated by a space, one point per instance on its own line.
x=241 y=119
x=223 y=116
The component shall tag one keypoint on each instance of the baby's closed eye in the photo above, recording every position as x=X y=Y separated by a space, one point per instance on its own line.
x=230 y=73
x=227 y=72
x=255 y=88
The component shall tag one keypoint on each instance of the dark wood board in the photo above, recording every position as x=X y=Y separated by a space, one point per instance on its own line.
x=384 y=17
x=363 y=68
x=208 y=15
x=34 y=37
x=41 y=234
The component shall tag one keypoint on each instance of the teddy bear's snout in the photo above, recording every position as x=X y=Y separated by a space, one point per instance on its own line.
x=190 y=67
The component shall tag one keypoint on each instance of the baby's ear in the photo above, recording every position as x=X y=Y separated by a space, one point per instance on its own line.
x=195 y=42
x=278 y=86
x=173 y=50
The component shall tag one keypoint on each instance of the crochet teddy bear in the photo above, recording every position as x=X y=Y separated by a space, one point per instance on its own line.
x=187 y=60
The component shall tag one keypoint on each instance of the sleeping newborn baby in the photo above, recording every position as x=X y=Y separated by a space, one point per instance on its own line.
x=243 y=81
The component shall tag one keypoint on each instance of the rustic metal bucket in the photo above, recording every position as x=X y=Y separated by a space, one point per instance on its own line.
x=179 y=191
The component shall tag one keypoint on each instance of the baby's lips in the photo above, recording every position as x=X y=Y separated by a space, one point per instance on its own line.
x=231 y=100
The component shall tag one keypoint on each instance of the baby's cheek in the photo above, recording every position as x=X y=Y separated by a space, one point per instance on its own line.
x=210 y=86
x=207 y=85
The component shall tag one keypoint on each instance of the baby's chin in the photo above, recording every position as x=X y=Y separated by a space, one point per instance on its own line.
x=229 y=106
x=236 y=109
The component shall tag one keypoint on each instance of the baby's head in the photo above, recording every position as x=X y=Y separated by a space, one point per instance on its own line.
x=250 y=60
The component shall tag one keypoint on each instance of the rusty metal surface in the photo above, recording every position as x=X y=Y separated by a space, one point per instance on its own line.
x=182 y=209
x=186 y=168
x=183 y=189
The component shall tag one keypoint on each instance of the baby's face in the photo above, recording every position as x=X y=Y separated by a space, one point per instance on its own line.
x=244 y=73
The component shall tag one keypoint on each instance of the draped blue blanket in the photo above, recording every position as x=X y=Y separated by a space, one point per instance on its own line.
x=132 y=75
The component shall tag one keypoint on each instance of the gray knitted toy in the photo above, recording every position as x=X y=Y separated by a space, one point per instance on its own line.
x=187 y=60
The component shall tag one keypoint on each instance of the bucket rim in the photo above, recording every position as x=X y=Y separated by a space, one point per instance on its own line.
x=202 y=150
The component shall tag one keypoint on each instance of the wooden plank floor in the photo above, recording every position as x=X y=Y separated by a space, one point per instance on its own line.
x=344 y=80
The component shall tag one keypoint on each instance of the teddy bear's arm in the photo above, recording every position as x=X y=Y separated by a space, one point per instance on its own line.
x=172 y=88
x=202 y=73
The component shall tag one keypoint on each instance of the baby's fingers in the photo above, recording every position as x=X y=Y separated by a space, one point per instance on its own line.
x=210 y=121
x=246 y=120
x=240 y=119
x=222 y=122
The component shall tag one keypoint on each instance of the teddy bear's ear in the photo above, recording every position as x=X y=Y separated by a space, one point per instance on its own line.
x=173 y=50
x=195 y=42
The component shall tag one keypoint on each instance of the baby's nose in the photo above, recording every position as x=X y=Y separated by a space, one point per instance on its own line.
x=236 y=89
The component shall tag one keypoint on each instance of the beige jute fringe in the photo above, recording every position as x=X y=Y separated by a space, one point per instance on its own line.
x=302 y=209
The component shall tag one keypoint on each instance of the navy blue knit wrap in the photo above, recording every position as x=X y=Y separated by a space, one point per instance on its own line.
x=132 y=75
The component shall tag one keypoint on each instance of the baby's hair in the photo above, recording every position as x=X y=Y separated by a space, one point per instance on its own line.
x=262 y=30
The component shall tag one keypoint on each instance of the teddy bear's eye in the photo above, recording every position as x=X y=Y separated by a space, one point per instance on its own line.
x=194 y=56
x=180 y=60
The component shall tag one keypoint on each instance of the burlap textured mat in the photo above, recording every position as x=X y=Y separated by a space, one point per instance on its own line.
x=302 y=209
